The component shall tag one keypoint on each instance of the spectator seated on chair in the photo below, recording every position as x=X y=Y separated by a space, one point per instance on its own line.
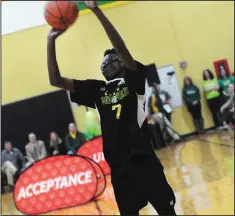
x=12 y=162
x=165 y=98
x=74 y=139
x=55 y=143
x=157 y=114
x=35 y=149
x=227 y=110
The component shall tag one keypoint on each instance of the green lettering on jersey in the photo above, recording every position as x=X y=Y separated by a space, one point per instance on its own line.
x=126 y=91
x=106 y=100
x=115 y=97
x=118 y=95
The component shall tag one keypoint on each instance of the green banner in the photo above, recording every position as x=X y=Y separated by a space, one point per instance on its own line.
x=83 y=7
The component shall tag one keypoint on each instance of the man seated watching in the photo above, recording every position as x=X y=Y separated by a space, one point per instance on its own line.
x=157 y=114
x=11 y=159
x=165 y=98
x=74 y=139
x=35 y=149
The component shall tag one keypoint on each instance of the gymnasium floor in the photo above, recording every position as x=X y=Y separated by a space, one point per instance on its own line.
x=200 y=172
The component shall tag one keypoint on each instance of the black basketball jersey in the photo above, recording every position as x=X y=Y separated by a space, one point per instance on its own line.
x=120 y=104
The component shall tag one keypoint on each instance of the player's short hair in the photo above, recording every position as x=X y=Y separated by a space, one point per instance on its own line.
x=110 y=51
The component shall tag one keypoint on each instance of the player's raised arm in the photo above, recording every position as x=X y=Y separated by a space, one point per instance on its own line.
x=113 y=35
x=54 y=73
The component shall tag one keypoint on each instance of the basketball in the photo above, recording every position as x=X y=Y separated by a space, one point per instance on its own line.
x=61 y=14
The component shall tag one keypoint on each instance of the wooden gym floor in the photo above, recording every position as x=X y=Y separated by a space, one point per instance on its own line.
x=200 y=170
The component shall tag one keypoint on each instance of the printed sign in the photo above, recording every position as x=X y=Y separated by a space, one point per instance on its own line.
x=93 y=149
x=100 y=176
x=54 y=183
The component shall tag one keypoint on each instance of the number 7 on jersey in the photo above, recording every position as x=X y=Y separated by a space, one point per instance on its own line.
x=119 y=109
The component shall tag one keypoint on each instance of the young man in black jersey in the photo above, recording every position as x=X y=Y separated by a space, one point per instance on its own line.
x=136 y=173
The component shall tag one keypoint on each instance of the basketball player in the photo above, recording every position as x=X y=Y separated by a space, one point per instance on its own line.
x=137 y=174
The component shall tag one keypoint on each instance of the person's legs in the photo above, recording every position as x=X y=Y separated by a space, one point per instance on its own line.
x=127 y=195
x=218 y=105
x=9 y=169
x=198 y=118
x=165 y=209
x=227 y=116
x=168 y=116
x=170 y=130
x=210 y=103
x=191 y=111
x=214 y=105
x=157 y=118
x=154 y=185
x=156 y=135
x=163 y=198
x=198 y=111
x=194 y=112
x=165 y=125
x=201 y=120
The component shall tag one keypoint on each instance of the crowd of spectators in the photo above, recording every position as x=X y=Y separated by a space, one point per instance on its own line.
x=218 y=93
x=14 y=162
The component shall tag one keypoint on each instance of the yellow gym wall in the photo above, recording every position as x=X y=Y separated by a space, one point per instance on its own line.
x=160 y=32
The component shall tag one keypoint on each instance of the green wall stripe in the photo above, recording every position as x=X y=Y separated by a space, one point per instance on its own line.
x=83 y=7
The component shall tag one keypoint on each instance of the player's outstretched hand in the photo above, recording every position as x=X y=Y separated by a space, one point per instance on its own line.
x=54 y=33
x=91 y=4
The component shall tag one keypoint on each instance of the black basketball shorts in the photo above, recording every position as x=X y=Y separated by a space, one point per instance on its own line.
x=137 y=183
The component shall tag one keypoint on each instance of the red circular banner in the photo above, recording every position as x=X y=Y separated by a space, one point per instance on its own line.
x=93 y=149
x=100 y=176
x=54 y=183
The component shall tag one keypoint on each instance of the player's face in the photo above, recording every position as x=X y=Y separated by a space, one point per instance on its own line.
x=111 y=66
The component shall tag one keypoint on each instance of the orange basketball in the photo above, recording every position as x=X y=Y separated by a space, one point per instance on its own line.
x=61 y=14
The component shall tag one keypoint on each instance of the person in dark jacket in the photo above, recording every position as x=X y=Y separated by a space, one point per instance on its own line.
x=55 y=143
x=192 y=97
x=12 y=163
x=74 y=139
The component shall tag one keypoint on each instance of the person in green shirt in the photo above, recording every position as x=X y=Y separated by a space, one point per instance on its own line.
x=192 y=97
x=211 y=89
x=224 y=82
x=74 y=139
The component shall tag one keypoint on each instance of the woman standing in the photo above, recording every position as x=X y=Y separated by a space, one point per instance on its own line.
x=224 y=82
x=192 y=97
x=211 y=89
x=55 y=143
